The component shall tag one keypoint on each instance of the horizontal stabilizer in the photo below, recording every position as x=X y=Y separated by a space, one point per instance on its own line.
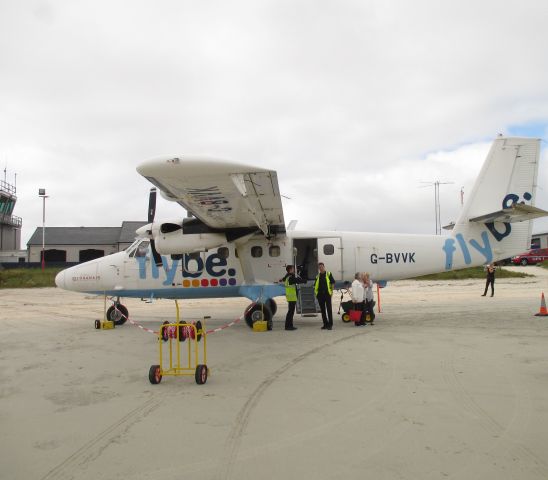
x=518 y=212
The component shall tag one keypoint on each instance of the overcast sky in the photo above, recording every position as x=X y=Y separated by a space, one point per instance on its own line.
x=354 y=103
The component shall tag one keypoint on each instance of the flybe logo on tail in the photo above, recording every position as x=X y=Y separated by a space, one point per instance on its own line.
x=483 y=247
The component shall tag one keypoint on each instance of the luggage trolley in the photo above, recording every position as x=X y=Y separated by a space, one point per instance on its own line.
x=175 y=335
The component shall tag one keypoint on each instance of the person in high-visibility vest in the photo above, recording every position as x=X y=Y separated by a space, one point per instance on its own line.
x=290 y=281
x=323 y=288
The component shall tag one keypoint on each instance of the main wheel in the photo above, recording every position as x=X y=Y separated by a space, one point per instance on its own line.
x=258 y=312
x=117 y=314
x=201 y=374
x=272 y=305
x=155 y=374
x=524 y=262
x=345 y=317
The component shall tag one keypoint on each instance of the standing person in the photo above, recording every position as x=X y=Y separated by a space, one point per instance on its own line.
x=323 y=289
x=490 y=269
x=369 y=300
x=290 y=281
x=358 y=298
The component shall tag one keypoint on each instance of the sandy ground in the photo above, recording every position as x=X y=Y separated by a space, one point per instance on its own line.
x=447 y=384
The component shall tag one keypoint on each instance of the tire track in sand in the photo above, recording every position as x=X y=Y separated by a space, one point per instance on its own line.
x=228 y=459
x=93 y=448
x=502 y=434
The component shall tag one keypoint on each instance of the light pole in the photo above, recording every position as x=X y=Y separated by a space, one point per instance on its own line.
x=42 y=193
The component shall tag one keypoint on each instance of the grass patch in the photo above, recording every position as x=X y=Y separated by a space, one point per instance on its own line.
x=28 y=277
x=473 y=272
x=543 y=264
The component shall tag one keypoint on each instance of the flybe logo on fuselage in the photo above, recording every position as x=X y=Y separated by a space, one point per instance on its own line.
x=193 y=271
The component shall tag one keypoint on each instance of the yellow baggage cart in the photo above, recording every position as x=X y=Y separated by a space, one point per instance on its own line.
x=172 y=340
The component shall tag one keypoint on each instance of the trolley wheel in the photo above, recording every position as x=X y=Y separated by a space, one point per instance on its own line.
x=182 y=333
x=117 y=314
x=345 y=317
x=201 y=374
x=199 y=330
x=98 y=324
x=155 y=374
x=165 y=336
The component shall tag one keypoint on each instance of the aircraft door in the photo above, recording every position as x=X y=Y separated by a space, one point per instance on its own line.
x=330 y=253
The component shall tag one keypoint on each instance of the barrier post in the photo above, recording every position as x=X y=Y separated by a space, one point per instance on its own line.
x=378 y=299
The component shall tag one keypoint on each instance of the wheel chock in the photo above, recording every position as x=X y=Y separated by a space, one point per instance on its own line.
x=104 y=325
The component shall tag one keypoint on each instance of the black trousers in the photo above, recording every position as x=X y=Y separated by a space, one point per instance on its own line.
x=492 y=282
x=325 y=306
x=290 y=313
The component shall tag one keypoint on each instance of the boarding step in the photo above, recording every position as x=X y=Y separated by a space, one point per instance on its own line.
x=307 y=303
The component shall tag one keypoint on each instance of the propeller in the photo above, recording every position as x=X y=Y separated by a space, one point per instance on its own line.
x=151 y=205
x=151 y=213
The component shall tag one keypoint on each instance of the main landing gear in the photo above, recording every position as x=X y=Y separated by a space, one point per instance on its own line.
x=257 y=311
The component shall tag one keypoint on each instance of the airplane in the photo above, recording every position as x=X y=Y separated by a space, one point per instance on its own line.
x=236 y=243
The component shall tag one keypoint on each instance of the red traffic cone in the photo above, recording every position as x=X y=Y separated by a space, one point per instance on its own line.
x=543 y=312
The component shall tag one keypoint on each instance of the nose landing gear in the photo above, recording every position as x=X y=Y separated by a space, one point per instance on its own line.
x=117 y=313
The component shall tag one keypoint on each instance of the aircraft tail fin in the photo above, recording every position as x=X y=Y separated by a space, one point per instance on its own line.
x=499 y=210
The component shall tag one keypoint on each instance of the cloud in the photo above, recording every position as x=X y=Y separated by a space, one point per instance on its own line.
x=353 y=103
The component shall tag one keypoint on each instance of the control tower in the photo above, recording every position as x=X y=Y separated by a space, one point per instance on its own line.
x=10 y=225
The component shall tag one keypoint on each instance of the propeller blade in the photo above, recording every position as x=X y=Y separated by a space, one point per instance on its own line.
x=157 y=257
x=151 y=205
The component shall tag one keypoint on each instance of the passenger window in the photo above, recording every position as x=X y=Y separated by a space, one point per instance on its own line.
x=328 y=249
x=274 y=251
x=223 y=252
x=256 y=251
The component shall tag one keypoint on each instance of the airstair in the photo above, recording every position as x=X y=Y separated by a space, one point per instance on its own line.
x=306 y=300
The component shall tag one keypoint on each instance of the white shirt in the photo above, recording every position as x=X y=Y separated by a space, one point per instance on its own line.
x=358 y=293
x=369 y=290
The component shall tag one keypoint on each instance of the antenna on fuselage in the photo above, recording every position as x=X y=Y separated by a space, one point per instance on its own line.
x=437 y=210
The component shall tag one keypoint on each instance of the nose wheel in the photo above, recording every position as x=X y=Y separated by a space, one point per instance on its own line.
x=117 y=313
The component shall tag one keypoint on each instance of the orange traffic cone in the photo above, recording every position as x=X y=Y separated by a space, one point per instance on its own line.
x=543 y=312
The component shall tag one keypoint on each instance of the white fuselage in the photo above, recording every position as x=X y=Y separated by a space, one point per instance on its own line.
x=253 y=268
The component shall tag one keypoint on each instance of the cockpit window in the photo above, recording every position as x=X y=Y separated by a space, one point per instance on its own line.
x=139 y=248
x=142 y=249
x=131 y=249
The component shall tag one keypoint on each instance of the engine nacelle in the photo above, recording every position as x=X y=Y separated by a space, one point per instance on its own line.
x=176 y=243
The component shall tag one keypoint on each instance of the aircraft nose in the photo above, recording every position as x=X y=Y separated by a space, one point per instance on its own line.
x=60 y=279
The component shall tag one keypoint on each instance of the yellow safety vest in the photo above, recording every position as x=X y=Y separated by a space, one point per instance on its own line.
x=317 y=282
x=290 y=291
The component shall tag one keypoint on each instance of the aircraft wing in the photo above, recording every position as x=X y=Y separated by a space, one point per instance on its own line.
x=516 y=213
x=221 y=194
